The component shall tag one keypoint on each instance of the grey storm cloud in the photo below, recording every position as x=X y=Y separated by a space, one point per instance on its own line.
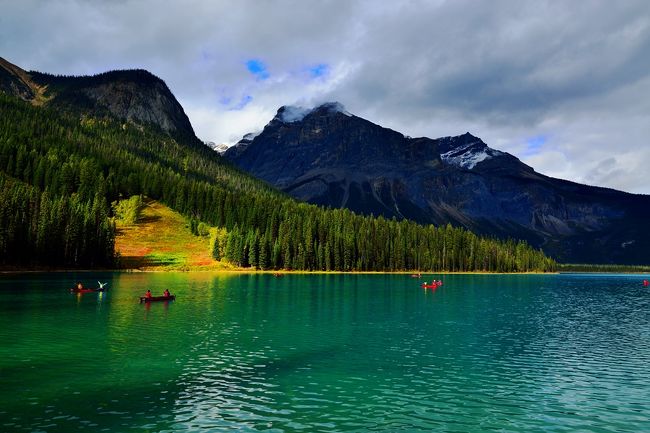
x=562 y=85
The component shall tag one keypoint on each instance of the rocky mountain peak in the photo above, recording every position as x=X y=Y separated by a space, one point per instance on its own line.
x=328 y=157
x=465 y=151
x=329 y=108
x=220 y=148
x=293 y=113
x=134 y=95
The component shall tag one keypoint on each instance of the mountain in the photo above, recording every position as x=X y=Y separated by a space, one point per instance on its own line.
x=136 y=96
x=330 y=157
x=67 y=156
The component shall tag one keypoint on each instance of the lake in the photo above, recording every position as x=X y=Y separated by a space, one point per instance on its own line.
x=311 y=353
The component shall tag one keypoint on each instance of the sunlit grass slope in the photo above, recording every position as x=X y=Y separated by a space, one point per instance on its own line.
x=161 y=240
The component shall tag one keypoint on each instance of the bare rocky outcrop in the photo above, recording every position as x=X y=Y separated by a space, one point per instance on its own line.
x=135 y=96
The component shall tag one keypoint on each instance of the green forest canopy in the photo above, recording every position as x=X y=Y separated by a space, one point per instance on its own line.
x=59 y=171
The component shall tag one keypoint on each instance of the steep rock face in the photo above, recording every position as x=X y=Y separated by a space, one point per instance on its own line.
x=132 y=95
x=142 y=101
x=328 y=156
x=16 y=82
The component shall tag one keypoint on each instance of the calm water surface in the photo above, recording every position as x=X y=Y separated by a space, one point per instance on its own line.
x=311 y=353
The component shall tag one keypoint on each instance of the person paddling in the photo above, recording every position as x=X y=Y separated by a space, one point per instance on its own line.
x=166 y=293
x=148 y=294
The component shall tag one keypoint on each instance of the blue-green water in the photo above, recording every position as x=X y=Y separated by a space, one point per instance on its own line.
x=311 y=353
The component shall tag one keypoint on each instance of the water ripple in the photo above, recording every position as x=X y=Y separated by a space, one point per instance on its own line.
x=327 y=353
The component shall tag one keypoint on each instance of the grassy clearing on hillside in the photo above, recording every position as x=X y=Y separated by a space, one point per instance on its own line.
x=161 y=240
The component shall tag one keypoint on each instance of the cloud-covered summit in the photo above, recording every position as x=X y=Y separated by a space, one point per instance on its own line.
x=574 y=73
x=293 y=113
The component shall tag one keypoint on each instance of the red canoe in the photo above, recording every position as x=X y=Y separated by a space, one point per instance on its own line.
x=157 y=298
x=75 y=290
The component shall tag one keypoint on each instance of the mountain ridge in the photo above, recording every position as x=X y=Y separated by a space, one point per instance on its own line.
x=133 y=95
x=341 y=160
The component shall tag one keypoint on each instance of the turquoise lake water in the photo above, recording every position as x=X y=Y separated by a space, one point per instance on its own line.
x=507 y=353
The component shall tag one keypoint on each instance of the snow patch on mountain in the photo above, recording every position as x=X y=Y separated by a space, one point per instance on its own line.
x=469 y=155
x=217 y=147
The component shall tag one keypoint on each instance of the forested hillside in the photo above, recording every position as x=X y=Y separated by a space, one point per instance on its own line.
x=62 y=170
x=57 y=230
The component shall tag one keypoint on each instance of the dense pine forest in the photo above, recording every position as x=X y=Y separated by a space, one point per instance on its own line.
x=61 y=171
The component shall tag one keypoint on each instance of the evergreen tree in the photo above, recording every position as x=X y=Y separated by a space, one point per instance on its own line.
x=216 y=249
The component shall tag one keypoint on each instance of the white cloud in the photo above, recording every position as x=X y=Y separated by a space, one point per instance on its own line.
x=575 y=72
x=229 y=126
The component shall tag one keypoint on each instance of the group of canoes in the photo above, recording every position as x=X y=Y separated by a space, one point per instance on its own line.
x=148 y=297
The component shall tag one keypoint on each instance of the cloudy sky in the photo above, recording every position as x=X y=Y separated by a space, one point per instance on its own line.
x=563 y=85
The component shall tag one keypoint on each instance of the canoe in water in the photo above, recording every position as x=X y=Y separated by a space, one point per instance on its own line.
x=157 y=298
x=75 y=290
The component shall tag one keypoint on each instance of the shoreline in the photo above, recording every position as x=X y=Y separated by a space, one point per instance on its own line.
x=283 y=272
x=235 y=271
x=270 y=272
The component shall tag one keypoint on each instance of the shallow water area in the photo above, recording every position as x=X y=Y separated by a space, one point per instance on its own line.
x=250 y=352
